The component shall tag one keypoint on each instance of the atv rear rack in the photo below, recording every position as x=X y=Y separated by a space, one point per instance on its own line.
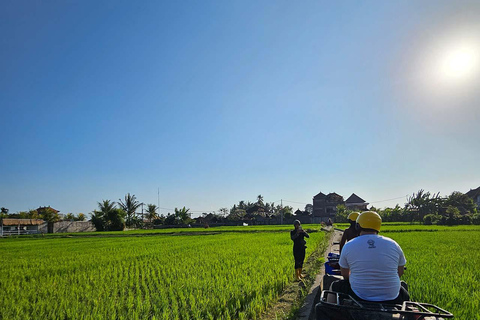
x=346 y=307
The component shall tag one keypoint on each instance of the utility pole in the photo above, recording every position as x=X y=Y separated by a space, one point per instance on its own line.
x=281 y=211
x=158 y=200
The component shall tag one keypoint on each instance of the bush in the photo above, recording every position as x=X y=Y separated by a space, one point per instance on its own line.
x=108 y=218
x=454 y=217
x=476 y=219
x=431 y=218
x=115 y=220
x=97 y=220
x=342 y=214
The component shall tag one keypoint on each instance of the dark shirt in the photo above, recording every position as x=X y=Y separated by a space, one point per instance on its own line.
x=298 y=238
x=348 y=235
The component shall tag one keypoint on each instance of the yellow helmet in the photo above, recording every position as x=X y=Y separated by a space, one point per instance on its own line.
x=370 y=220
x=353 y=216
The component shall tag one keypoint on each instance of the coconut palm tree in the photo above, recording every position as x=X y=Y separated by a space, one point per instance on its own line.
x=108 y=217
x=152 y=212
x=182 y=215
x=260 y=200
x=130 y=206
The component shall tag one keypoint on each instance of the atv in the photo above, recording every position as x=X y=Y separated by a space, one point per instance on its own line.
x=347 y=308
x=340 y=306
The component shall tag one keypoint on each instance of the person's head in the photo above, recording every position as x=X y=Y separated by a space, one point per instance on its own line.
x=296 y=224
x=369 y=221
x=352 y=218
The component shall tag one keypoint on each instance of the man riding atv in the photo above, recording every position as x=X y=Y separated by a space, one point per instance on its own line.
x=351 y=232
x=371 y=265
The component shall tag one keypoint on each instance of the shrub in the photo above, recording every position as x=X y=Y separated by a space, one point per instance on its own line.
x=431 y=218
x=476 y=219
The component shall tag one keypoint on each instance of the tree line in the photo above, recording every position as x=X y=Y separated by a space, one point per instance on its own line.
x=421 y=207
x=115 y=216
x=427 y=208
x=45 y=213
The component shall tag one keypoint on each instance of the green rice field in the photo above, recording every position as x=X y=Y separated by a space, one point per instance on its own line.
x=215 y=273
x=136 y=275
x=443 y=269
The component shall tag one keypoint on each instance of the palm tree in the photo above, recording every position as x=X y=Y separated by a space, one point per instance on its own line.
x=182 y=215
x=242 y=205
x=152 y=212
x=129 y=206
x=106 y=206
x=422 y=203
x=107 y=217
x=260 y=199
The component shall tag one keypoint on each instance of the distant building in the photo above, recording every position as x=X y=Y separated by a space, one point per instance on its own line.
x=475 y=195
x=302 y=216
x=356 y=203
x=10 y=226
x=325 y=206
x=301 y=213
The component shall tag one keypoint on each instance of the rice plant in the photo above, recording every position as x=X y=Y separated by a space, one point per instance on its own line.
x=220 y=275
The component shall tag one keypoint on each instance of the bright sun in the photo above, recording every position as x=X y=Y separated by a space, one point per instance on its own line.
x=445 y=67
x=459 y=62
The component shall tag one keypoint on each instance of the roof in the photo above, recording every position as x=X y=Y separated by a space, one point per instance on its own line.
x=473 y=193
x=23 y=222
x=301 y=213
x=319 y=196
x=334 y=197
x=354 y=199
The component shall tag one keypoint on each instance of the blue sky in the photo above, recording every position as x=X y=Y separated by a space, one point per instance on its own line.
x=213 y=102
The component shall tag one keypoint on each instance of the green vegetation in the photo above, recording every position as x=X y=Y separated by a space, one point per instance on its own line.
x=213 y=273
x=408 y=227
x=224 y=274
x=426 y=208
x=46 y=213
x=169 y=231
x=442 y=268
x=130 y=206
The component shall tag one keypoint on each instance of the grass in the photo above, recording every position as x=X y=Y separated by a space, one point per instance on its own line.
x=215 y=273
x=167 y=231
x=222 y=275
x=442 y=268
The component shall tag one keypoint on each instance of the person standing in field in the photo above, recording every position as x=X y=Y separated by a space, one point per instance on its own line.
x=372 y=265
x=299 y=245
x=351 y=232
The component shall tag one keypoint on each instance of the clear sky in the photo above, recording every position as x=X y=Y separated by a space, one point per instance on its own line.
x=213 y=102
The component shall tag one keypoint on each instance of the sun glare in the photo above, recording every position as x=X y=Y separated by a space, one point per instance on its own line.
x=446 y=68
x=460 y=62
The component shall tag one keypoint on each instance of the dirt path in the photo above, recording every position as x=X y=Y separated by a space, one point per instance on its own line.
x=306 y=312
x=298 y=299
